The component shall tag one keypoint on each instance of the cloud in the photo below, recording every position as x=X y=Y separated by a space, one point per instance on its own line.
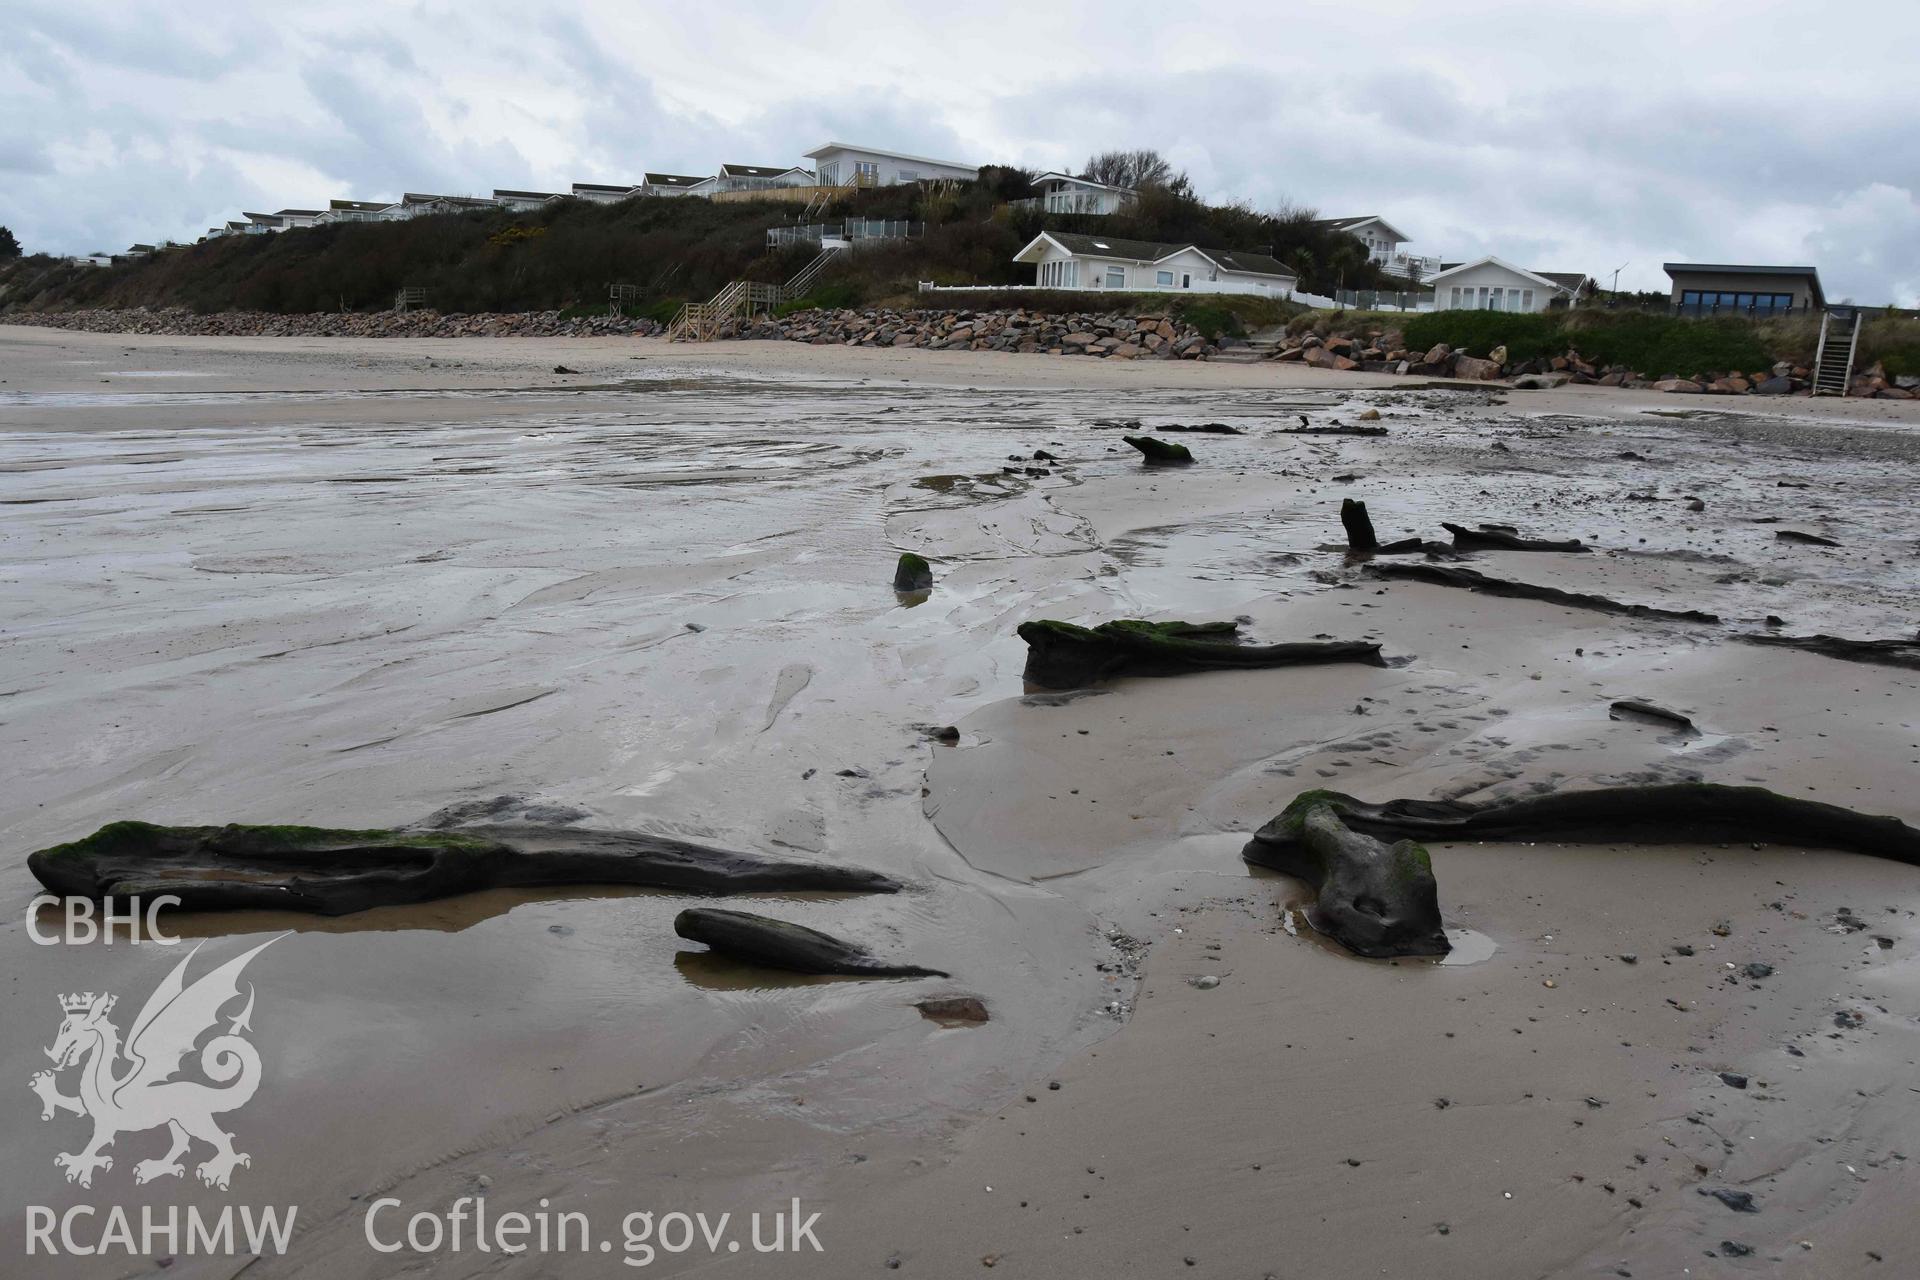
x=1866 y=236
x=1614 y=142
x=19 y=156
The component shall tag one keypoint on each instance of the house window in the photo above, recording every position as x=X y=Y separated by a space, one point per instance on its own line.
x=1116 y=277
x=909 y=175
x=1526 y=300
x=866 y=172
x=1453 y=297
x=830 y=174
x=1494 y=301
x=1164 y=279
x=1707 y=302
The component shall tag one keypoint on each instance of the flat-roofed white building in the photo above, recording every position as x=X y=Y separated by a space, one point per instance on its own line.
x=841 y=164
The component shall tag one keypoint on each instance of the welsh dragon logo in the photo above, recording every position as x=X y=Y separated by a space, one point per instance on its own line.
x=142 y=1093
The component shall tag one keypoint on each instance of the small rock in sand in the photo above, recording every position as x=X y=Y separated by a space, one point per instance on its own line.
x=1206 y=982
x=1738 y=1201
x=954 y=1010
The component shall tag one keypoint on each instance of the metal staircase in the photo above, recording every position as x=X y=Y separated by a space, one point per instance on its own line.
x=702 y=321
x=1839 y=339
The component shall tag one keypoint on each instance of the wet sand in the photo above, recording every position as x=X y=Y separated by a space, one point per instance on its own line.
x=316 y=581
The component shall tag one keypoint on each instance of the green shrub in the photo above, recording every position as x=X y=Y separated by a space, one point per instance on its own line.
x=1656 y=344
x=1645 y=342
x=1212 y=319
x=832 y=295
x=1893 y=341
x=1525 y=336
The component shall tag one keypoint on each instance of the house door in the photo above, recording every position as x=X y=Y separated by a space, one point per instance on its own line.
x=1186 y=280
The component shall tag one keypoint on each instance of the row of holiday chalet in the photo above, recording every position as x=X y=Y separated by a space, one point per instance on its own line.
x=1078 y=261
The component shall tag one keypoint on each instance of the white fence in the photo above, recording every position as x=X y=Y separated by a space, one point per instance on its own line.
x=1198 y=286
x=1355 y=302
x=851 y=230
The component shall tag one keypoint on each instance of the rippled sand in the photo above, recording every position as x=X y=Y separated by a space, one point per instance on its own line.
x=293 y=587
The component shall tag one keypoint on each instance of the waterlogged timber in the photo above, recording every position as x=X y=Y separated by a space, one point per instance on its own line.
x=1488 y=537
x=1888 y=653
x=317 y=583
x=1474 y=580
x=781 y=944
x=1160 y=453
x=1669 y=813
x=333 y=872
x=1061 y=655
x=1374 y=899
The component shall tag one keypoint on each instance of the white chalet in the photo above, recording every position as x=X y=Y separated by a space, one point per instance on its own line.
x=356 y=211
x=843 y=165
x=753 y=177
x=1492 y=285
x=416 y=204
x=602 y=192
x=1064 y=260
x=668 y=184
x=1069 y=193
x=521 y=201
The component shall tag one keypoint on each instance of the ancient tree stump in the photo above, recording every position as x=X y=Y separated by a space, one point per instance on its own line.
x=1359 y=525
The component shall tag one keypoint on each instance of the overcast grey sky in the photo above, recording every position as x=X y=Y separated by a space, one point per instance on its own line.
x=1569 y=136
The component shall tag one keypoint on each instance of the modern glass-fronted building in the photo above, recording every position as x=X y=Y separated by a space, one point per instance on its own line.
x=1710 y=289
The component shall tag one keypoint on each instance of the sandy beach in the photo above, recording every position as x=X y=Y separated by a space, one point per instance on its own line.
x=350 y=583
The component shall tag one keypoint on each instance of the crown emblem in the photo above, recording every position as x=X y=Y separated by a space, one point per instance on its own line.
x=80 y=1002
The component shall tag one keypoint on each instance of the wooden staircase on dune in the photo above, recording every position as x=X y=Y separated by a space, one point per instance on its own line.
x=1839 y=340
x=702 y=321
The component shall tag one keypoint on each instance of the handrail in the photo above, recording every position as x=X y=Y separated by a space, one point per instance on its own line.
x=701 y=321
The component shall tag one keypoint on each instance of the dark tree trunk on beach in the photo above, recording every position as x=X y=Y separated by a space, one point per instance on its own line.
x=1359 y=525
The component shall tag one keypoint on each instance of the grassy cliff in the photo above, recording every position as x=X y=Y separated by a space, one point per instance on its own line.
x=566 y=254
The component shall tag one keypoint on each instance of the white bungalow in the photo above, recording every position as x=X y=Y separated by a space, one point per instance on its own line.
x=669 y=184
x=1063 y=260
x=1492 y=285
x=297 y=217
x=259 y=224
x=522 y=201
x=842 y=165
x=1067 y=193
x=603 y=193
